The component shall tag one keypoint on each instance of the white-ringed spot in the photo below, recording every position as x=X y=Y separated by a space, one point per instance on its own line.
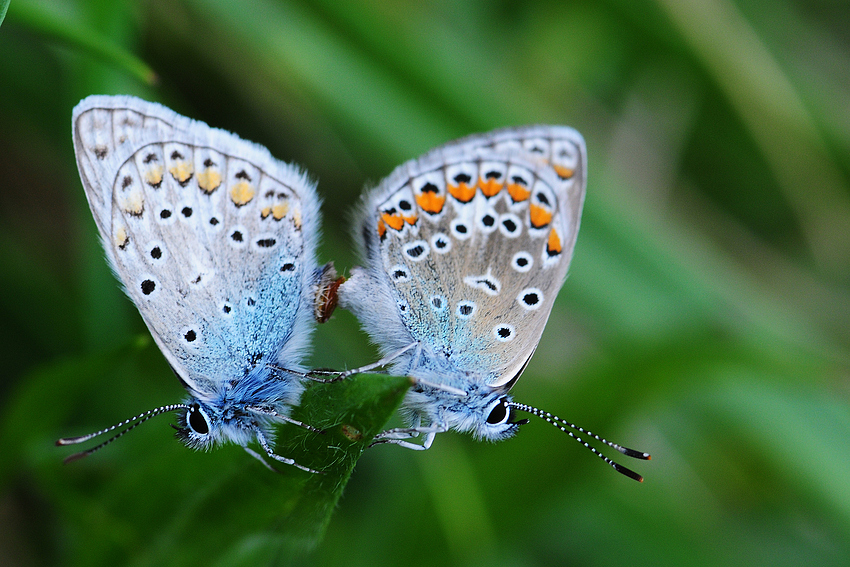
x=288 y=266
x=441 y=243
x=487 y=283
x=504 y=332
x=399 y=273
x=437 y=303
x=157 y=253
x=522 y=261
x=530 y=298
x=488 y=221
x=265 y=242
x=226 y=309
x=510 y=225
x=237 y=237
x=190 y=336
x=149 y=286
x=165 y=214
x=461 y=230
x=465 y=309
x=417 y=250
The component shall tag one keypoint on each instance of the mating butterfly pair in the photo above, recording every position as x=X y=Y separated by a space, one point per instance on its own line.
x=465 y=250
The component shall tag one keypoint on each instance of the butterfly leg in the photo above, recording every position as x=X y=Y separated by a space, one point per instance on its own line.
x=261 y=438
x=397 y=436
x=259 y=457
x=317 y=375
x=275 y=414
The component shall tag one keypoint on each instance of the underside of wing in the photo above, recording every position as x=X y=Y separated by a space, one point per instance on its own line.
x=213 y=239
x=473 y=242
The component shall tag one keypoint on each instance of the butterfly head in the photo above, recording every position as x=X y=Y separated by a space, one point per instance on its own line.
x=204 y=425
x=482 y=411
x=195 y=427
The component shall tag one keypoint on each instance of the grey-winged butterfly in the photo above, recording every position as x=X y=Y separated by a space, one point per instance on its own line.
x=215 y=242
x=465 y=249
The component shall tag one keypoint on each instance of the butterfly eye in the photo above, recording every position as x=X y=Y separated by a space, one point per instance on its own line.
x=499 y=414
x=197 y=420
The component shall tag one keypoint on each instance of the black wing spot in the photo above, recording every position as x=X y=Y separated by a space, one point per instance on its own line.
x=415 y=251
x=531 y=298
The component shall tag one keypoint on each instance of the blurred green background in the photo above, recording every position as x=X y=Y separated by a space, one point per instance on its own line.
x=705 y=319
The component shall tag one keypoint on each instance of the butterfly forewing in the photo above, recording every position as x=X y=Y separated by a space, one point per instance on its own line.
x=208 y=245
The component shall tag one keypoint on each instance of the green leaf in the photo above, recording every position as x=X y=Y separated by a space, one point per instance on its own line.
x=4 y=5
x=58 y=27
x=196 y=495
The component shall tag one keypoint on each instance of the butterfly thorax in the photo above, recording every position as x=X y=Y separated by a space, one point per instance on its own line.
x=239 y=409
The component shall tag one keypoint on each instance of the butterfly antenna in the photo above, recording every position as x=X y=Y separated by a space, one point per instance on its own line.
x=566 y=426
x=133 y=422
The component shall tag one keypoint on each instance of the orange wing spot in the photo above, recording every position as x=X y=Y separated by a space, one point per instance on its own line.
x=121 y=239
x=242 y=193
x=489 y=187
x=265 y=212
x=153 y=175
x=540 y=217
x=209 y=180
x=411 y=219
x=382 y=229
x=279 y=210
x=563 y=172
x=462 y=192
x=181 y=171
x=395 y=222
x=518 y=192
x=133 y=203
x=553 y=246
x=430 y=202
